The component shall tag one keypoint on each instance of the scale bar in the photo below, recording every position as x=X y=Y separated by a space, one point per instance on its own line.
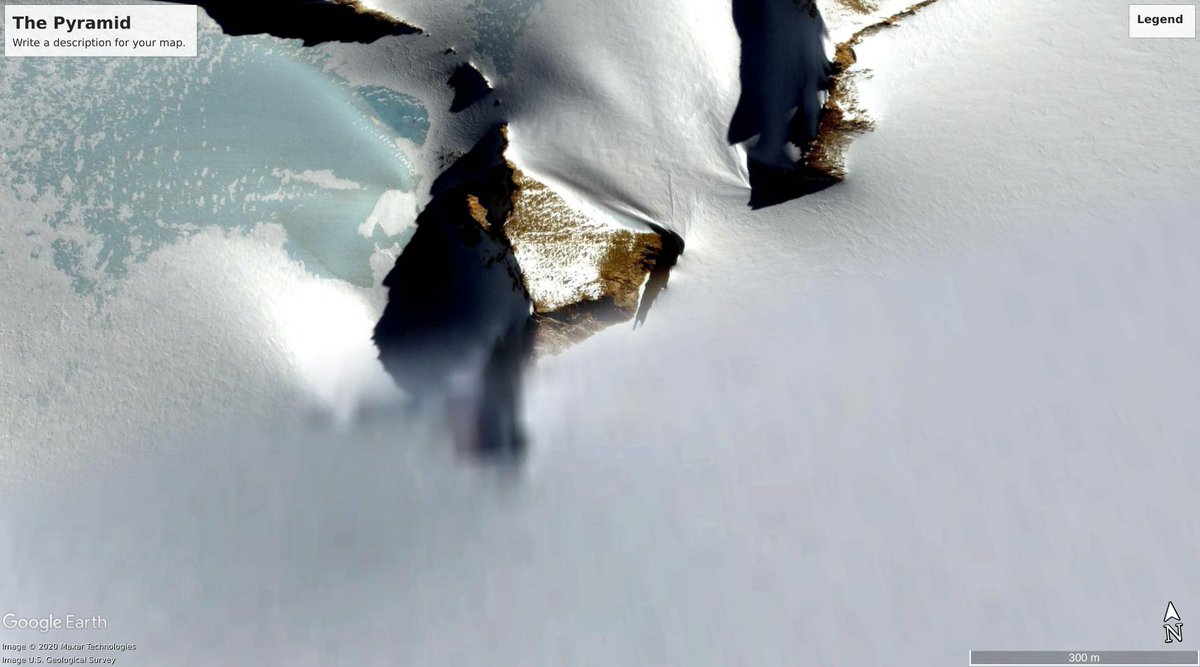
x=1075 y=658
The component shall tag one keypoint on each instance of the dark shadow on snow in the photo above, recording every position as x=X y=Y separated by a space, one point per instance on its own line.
x=314 y=21
x=672 y=248
x=469 y=87
x=771 y=185
x=457 y=330
x=784 y=71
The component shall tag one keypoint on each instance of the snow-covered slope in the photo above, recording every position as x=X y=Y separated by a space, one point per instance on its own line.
x=945 y=405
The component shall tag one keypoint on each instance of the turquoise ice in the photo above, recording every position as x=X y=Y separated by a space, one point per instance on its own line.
x=499 y=24
x=139 y=152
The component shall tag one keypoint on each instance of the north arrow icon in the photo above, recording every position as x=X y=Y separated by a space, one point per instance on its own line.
x=1171 y=613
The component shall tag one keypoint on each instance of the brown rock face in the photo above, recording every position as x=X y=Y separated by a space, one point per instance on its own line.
x=842 y=118
x=501 y=266
x=784 y=71
x=581 y=274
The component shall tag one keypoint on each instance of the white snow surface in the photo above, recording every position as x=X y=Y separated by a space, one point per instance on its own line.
x=946 y=405
x=843 y=18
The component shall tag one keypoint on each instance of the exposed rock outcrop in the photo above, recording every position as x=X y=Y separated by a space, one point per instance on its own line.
x=783 y=71
x=784 y=67
x=579 y=273
x=842 y=118
x=499 y=266
x=582 y=274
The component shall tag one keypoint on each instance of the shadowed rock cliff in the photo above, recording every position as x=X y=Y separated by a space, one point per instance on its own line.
x=469 y=87
x=784 y=73
x=314 y=21
x=457 y=329
x=500 y=265
x=799 y=110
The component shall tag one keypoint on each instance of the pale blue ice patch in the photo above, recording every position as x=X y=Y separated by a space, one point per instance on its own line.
x=404 y=114
x=500 y=24
x=140 y=152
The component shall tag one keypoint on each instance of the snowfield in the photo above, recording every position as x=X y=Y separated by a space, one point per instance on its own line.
x=946 y=405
